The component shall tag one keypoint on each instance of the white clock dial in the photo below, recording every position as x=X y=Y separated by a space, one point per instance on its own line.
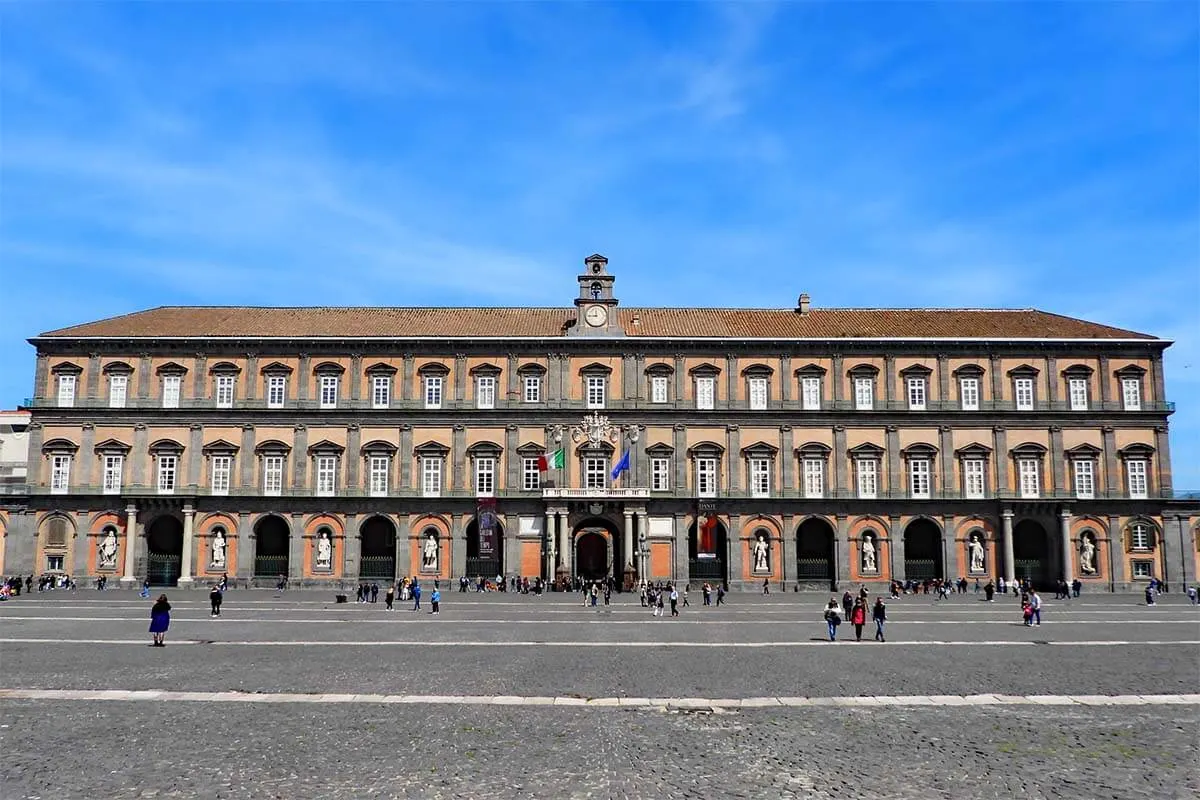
x=596 y=316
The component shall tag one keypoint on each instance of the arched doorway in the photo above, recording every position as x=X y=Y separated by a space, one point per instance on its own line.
x=708 y=553
x=1031 y=553
x=485 y=557
x=271 y=536
x=923 y=550
x=164 y=551
x=815 y=551
x=377 y=559
x=597 y=550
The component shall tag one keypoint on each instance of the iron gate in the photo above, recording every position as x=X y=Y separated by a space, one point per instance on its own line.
x=706 y=569
x=814 y=569
x=270 y=566
x=379 y=568
x=483 y=567
x=919 y=569
x=162 y=569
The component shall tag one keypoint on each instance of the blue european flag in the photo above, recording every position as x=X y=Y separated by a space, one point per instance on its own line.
x=622 y=466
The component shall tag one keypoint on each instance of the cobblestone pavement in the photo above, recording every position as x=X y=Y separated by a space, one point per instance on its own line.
x=515 y=645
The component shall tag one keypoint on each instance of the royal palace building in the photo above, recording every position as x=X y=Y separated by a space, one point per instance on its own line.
x=801 y=445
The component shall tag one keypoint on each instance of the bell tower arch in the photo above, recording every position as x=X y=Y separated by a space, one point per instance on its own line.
x=597 y=315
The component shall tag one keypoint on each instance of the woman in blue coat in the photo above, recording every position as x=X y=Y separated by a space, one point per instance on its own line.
x=160 y=620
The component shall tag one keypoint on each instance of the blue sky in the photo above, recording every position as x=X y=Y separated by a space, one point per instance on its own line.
x=960 y=154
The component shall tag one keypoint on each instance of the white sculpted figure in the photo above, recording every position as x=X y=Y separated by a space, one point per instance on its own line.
x=429 y=554
x=218 y=549
x=869 y=564
x=761 y=551
x=108 y=550
x=1087 y=556
x=975 y=548
x=324 y=551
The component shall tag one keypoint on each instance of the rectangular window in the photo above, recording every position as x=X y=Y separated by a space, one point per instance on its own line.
x=1131 y=394
x=326 y=475
x=918 y=477
x=381 y=391
x=814 y=477
x=431 y=477
x=433 y=391
x=55 y=563
x=118 y=387
x=531 y=476
x=916 y=394
x=596 y=385
x=329 y=391
x=533 y=389
x=273 y=476
x=1029 y=478
x=705 y=391
x=224 y=391
x=973 y=478
x=595 y=473
x=968 y=393
x=810 y=394
x=864 y=394
x=379 y=469
x=706 y=477
x=868 y=477
x=1085 y=479
x=485 y=477
x=758 y=394
x=276 y=385
x=1136 y=470
x=1077 y=393
x=220 y=468
x=171 y=386
x=760 y=477
x=66 y=391
x=1139 y=537
x=1143 y=569
x=658 y=389
x=113 y=466
x=485 y=391
x=660 y=474
x=1023 y=389
x=168 y=467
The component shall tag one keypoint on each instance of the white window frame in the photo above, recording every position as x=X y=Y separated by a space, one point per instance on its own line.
x=596 y=391
x=1131 y=394
x=706 y=476
x=864 y=394
x=485 y=391
x=166 y=473
x=379 y=471
x=760 y=477
x=1140 y=537
x=1029 y=478
x=1084 y=478
x=273 y=467
x=533 y=388
x=66 y=391
x=223 y=388
x=381 y=391
x=968 y=394
x=706 y=392
x=326 y=468
x=810 y=394
x=659 y=385
x=1023 y=393
x=172 y=390
x=920 y=478
x=433 y=387
x=974 y=478
x=55 y=563
x=114 y=466
x=485 y=476
x=1137 y=472
x=916 y=394
x=531 y=476
x=431 y=476
x=867 y=477
x=660 y=474
x=276 y=391
x=1077 y=394
x=758 y=389
x=813 y=474
x=595 y=472
x=118 y=390
x=220 y=473
x=328 y=391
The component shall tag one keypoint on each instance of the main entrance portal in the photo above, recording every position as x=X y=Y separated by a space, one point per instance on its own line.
x=591 y=555
x=164 y=546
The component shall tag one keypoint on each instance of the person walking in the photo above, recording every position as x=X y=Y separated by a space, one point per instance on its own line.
x=146 y=588
x=389 y=597
x=1193 y=595
x=416 y=593
x=1035 y=606
x=720 y=594
x=674 y=601
x=858 y=618
x=1150 y=595
x=879 y=615
x=766 y=585
x=160 y=620
x=686 y=604
x=434 y=599
x=214 y=599
x=833 y=618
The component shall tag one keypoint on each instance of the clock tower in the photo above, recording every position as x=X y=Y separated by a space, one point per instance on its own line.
x=597 y=306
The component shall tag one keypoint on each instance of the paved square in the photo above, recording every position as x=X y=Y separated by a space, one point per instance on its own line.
x=293 y=697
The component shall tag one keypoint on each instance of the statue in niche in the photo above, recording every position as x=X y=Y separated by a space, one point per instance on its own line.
x=762 y=550
x=869 y=561
x=324 y=550
x=975 y=551
x=218 y=549
x=429 y=553
x=1087 y=555
x=108 y=550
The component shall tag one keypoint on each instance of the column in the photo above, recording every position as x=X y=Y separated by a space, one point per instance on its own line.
x=296 y=550
x=551 y=539
x=564 y=542
x=1006 y=533
x=244 y=551
x=1064 y=526
x=643 y=536
x=627 y=542
x=896 y=549
x=185 y=569
x=842 y=560
x=130 y=537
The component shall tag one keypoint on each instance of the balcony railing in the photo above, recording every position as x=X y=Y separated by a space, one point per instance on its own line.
x=568 y=493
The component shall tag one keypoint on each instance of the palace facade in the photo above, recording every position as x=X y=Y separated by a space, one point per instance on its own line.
x=799 y=445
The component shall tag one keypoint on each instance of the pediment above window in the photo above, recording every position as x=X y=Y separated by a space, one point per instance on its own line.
x=916 y=371
x=326 y=447
x=171 y=368
x=276 y=368
x=866 y=450
x=705 y=370
x=1083 y=451
x=863 y=371
x=1136 y=450
x=1028 y=450
x=759 y=450
x=328 y=368
x=484 y=449
x=1078 y=371
x=813 y=450
x=811 y=371
x=1130 y=371
x=974 y=450
x=531 y=369
x=379 y=447
x=219 y=446
x=758 y=371
x=596 y=368
x=1023 y=371
x=431 y=449
x=166 y=447
x=273 y=447
x=919 y=450
x=112 y=446
x=706 y=449
x=531 y=449
x=224 y=368
x=433 y=368
x=661 y=449
x=485 y=369
x=117 y=368
x=66 y=368
x=381 y=368
x=59 y=446
x=595 y=449
x=968 y=371
x=660 y=368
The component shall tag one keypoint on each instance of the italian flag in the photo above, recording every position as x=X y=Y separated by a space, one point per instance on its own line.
x=552 y=461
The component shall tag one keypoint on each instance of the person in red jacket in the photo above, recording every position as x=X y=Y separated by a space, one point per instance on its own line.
x=858 y=618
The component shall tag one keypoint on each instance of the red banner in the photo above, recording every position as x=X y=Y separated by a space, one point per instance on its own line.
x=706 y=545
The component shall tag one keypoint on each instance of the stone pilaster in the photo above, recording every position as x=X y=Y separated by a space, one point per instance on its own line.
x=1116 y=570
x=405 y=455
x=244 y=546
x=1157 y=382
x=458 y=458
x=355 y=377
x=681 y=459
x=145 y=375
x=787 y=461
x=460 y=378
x=889 y=380
x=733 y=458
x=737 y=549
x=1112 y=471
x=895 y=477
x=838 y=378
x=189 y=545
x=404 y=534
x=681 y=550
x=301 y=460
x=132 y=534
x=354 y=458
x=93 y=377
x=352 y=549
x=680 y=379
x=947 y=487
x=408 y=373
x=252 y=376
x=512 y=461
x=997 y=380
x=199 y=376
x=86 y=456
x=1000 y=454
x=785 y=379
x=1051 y=381
x=139 y=454
x=844 y=550
x=1162 y=452
x=303 y=376
x=247 y=460
x=195 y=457
x=41 y=376
x=627 y=541
x=1058 y=465
x=943 y=379
x=731 y=383
x=512 y=381
x=1105 y=378
x=787 y=567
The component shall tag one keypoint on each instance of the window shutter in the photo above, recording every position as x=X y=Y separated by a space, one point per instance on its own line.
x=56 y=532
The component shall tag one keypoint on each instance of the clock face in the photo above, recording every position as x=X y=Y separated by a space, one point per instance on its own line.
x=596 y=316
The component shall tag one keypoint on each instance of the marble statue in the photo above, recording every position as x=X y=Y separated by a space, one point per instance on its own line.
x=218 y=550
x=975 y=550
x=324 y=551
x=108 y=550
x=761 y=552
x=869 y=564
x=1087 y=556
x=429 y=553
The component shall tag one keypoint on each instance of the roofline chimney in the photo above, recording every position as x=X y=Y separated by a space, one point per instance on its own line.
x=802 y=306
